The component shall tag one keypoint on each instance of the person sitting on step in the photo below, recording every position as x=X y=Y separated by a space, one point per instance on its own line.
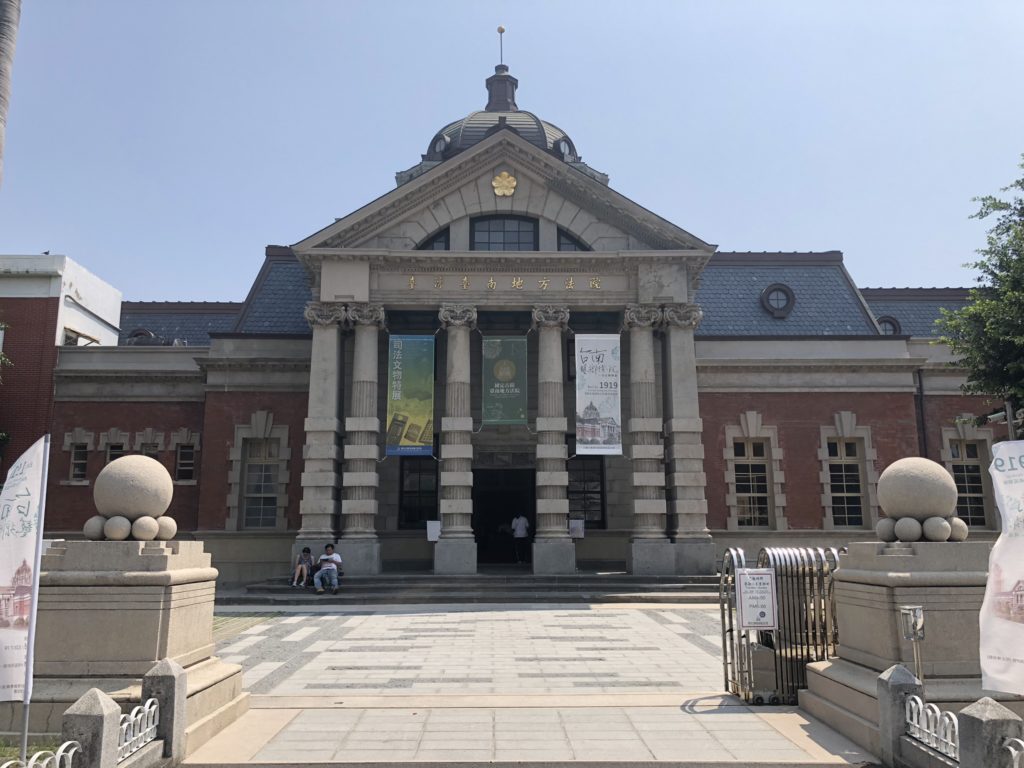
x=303 y=568
x=329 y=562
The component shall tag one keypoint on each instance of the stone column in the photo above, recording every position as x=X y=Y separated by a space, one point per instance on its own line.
x=455 y=551
x=553 y=551
x=359 y=547
x=650 y=550
x=695 y=551
x=320 y=479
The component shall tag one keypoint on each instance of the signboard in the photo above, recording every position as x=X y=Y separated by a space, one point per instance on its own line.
x=22 y=502
x=757 y=605
x=598 y=394
x=433 y=530
x=504 y=380
x=1002 y=613
x=410 y=396
x=576 y=528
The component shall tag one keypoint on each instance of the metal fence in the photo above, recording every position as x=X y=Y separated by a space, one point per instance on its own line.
x=770 y=666
x=137 y=729
x=63 y=757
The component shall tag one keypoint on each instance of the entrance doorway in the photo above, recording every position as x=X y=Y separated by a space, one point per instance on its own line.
x=498 y=496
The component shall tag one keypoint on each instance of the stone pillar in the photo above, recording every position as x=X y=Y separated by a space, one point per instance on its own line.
x=93 y=721
x=651 y=553
x=320 y=480
x=984 y=727
x=695 y=551
x=359 y=547
x=894 y=687
x=455 y=551
x=553 y=550
x=167 y=682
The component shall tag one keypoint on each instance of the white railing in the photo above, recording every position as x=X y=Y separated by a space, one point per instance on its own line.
x=137 y=729
x=1016 y=749
x=63 y=758
x=932 y=727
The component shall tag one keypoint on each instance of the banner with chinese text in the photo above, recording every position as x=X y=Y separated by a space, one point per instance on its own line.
x=504 y=380
x=1002 y=613
x=21 y=528
x=598 y=394
x=410 y=396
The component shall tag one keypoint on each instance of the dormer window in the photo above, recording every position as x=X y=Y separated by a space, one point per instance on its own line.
x=503 y=233
x=778 y=300
x=890 y=326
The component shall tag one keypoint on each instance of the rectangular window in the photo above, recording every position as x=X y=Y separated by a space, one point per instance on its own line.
x=114 y=451
x=261 y=484
x=752 y=499
x=586 y=490
x=185 y=463
x=967 y=468
x=79 y=461
x=150 y=449
x=418 y=495
x=503 y=233
x=845 y=484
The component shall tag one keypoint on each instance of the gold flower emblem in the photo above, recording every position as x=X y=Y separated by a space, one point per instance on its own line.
x=504 y=184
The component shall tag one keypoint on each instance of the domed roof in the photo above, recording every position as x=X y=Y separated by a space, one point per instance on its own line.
x=501 y=113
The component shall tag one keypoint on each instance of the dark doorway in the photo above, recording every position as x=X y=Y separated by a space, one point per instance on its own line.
x=498 y=496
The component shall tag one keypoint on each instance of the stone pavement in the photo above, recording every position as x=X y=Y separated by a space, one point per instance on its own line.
x=480 y=683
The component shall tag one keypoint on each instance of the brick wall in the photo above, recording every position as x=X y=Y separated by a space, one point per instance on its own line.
x=26 y=391
x=942 y=410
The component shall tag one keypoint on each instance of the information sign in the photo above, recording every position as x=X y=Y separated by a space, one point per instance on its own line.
x=756 y=600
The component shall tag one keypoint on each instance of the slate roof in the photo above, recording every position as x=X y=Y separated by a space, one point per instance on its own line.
x=278 y=297
x=190 y=321
x=826 y=302
x=915 y=309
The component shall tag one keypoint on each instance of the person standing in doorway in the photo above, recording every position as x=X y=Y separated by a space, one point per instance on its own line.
x=520 y=535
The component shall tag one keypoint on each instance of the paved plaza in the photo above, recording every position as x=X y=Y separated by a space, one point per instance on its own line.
x=504 y=683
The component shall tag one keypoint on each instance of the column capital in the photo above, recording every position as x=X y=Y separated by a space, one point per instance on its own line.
x=550 y=316
x=457 y=315
x=325 y=313
x=642 y=315
x=366 y=314
x=682 y=315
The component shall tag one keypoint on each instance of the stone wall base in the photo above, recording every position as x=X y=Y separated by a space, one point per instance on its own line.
x=359 y=557
x=695 y=557
x=554 y=556
x=455 y=556
x=652 y=557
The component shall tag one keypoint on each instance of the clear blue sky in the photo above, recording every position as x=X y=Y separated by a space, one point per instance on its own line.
x=164 y=144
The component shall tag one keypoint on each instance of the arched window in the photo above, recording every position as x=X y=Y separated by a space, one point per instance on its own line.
x=567 y=242
x=439 y=241
x=503 y=233
x=890 y=325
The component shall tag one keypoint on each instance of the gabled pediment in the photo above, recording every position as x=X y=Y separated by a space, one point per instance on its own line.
x=461 y=187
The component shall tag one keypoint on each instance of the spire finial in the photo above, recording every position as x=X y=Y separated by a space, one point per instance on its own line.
x=501 y=44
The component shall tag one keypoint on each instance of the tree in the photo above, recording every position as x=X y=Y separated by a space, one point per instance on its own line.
x=10 y=13
x=987 y=335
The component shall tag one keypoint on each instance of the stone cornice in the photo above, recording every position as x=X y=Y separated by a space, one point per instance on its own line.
x=325 y=313
x=642 y=316
x=366 y=314
x=550 y=316
x=458 y=315
x=682 y=315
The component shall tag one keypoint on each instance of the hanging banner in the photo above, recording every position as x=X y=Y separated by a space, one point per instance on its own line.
x=410 y=396
x=22 y=501
x=598 y=395
x=504 y=380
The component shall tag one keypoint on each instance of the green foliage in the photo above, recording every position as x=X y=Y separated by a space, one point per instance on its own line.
x=987 y=335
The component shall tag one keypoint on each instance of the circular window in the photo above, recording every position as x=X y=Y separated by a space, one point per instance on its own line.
x=778 y=300
x=890 y=326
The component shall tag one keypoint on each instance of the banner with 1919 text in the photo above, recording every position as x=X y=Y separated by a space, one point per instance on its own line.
x=598 y=394
x=1002 y=613
x=410 y=396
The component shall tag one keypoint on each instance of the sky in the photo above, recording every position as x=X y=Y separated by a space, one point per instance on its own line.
x=163 y=145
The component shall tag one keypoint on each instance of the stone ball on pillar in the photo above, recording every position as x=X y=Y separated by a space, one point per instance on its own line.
x=117 y=528
x=936 y=529
x=145 y=528
x=167 y=528
x=133 y=487
x=917 y=488
x=93 y=528
x=958 y=529
x=908 y=529
x=885 y=530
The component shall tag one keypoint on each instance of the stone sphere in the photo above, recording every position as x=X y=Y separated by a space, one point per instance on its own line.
x=133 y=487
x=908 y=529
x=145 y=528
x=167 y=528
x=885 y=530
x=936 y=529
x=959 y=529
x=117 y=528
x=917 y=488
x=93 y=528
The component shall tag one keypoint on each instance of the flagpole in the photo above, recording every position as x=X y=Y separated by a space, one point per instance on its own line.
x=30 y=651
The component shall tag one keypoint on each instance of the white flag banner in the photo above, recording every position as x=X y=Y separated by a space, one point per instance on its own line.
x=598 y=394
x=22 y=501
x=1002 y=613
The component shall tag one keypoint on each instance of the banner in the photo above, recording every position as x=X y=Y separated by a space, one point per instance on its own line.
x=21 y=532
x=410 y=396
x=504 y=380
x=598 y=395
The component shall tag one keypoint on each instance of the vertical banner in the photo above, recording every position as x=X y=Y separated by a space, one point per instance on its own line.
x=1002 y=613
x=598 y=394
x=410 y=396
x=504 y=380
x=21 y=531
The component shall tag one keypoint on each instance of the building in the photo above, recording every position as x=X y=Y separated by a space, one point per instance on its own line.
x=761 y=393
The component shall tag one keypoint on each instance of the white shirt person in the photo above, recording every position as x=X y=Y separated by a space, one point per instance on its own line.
x=520 y=535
